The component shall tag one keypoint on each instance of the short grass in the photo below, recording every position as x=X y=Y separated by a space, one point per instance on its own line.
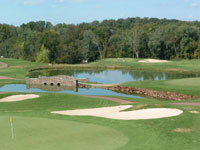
x=3 y=82
x=190 y=86
x=36 y=128
x=186 y=66
x=181 y=66
x=18 y=68
x=33 y=133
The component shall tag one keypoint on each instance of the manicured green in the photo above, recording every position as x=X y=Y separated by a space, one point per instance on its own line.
x=18 y=68
x=48 y=134
x=190 y=86
x=3 y=82
x=36 y=128
x=175 y=66
x=187 y=66
x=51 y=102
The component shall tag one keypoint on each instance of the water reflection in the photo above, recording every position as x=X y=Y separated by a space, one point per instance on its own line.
x=113 y=76
x=52 y=88
x=91 y=91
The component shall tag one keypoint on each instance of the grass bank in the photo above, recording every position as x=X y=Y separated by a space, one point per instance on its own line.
x=37 y=128
x=189 y=86
x=185 y=66
x=179 y=66
x=18 y=68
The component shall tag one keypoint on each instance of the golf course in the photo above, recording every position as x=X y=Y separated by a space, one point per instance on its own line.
x=46 y=120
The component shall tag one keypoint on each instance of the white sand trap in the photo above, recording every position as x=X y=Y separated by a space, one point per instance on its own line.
x=16 y=98
x=114 y=113
x=153 y=61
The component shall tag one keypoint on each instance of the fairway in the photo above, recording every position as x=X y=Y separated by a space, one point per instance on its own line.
x=192 y=82
x=36 y=128
x=99 y=75
x=51 y=134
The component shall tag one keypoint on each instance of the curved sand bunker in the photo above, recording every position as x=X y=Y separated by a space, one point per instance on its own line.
x=3 y=65
x=114 y=113
x=153 y=61
x=16 y=98
x=5 y=78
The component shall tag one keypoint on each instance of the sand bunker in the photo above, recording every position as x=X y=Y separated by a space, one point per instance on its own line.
x=3 y=65
x=195 y=112
x=15 y=98
x=5 y=78
x=114 y=113
x=182 y=130
x=153 y=61
x=117 y=100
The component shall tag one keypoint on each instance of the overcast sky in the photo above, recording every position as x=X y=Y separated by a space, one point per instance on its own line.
x=17 y=12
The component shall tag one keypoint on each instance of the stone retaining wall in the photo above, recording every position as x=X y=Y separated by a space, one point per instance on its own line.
x=151 y=93
x=53 y=81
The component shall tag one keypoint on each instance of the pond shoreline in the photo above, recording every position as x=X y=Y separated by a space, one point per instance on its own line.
x=98 y=67
x=140 y=91
x=151 y=93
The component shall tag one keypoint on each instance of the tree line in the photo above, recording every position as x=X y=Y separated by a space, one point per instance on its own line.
x=123 y=38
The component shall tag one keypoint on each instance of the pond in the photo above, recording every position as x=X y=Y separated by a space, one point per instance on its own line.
x=100 y=76
x=113 y=76
x=91 y=91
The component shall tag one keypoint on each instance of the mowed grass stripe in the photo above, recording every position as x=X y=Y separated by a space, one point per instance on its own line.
x=48 y=102
x=190 y=86
x=144 y=134
x=52 y=134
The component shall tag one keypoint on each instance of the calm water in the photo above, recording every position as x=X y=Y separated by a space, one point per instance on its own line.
x=113 y=76
x=100 y=76
x=91 y=91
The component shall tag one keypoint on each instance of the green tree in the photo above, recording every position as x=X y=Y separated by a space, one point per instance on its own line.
x=103 y=35
x=90 y=46
x=43 y=55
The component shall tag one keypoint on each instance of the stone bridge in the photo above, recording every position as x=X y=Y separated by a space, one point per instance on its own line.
x=60 y=80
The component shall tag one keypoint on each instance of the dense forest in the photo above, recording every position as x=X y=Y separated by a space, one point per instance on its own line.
x=128 y=38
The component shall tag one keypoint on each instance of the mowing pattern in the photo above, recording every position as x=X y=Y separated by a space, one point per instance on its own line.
x=51 y=134
x=111 y=99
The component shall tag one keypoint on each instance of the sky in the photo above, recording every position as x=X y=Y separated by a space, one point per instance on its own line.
x=17 y=12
